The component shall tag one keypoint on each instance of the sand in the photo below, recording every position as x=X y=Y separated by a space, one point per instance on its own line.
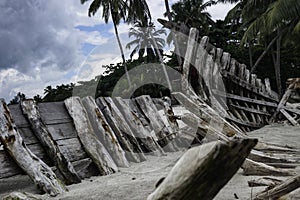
x=138 y=181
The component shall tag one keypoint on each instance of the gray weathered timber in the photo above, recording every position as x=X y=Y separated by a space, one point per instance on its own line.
x=251 y=167
x=8 y=166
x=38 y=171
x=104 y=132
x=138 y=127
x=124 y=134
x=289 y=117
x=280 y=190
x=188 y=60
x=264 y=181
x=30 y=110
x=211 y=134
x=95 y=149
x=202 y=171
x=204 y=112
x=259 y=156
x=54 y=113
x=162 y=133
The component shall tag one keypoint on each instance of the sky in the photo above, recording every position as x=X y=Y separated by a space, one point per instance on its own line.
x=51 y=42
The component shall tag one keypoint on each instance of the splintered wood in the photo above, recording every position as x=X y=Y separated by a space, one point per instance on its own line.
x=38 y=171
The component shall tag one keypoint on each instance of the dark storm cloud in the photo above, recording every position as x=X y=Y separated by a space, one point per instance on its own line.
x=37 y=33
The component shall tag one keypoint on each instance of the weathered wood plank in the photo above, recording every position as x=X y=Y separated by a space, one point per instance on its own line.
x=289 y=117
x=17 y=115
x=245 y=123
x=280 y=190
x=104 y=132
x=150 y=111
x=188 y=60
x=137 y=126
x=131 y=141
x=8 y=166
x=251 y=110
x=251 y=167
x=264 y=181
x=91 y=144
x=246 y=99
x=32 y=114
x=207 y=114
x=202 y=171
x=54 y=113
x=246 y=85
x=38 y=171
x=62 y=131
x=72 y=148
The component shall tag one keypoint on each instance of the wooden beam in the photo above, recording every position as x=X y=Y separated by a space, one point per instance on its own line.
x=251 y=110
x=248 y=100
x=280 y=190
x=247 y=86
x=204 y=112
x=132 y=141
x=40 y=173
x=30 y=110
x=202 y=171
x=94 y=148
x=253 y=168
x=104 y=132
x=148 y=108
x=289 y=117
x=244 y=123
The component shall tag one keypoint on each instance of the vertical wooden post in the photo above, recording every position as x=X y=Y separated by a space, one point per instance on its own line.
x=95 y=149
x=40 y=130
x=104 y=132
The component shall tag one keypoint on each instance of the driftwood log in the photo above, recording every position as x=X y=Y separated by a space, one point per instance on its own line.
x=202 y=171
x=13 y=143
x=104 y=132
x=280 y=190
x=251 y=167
x=94 y=148
x=30 y=110
x=264 y=181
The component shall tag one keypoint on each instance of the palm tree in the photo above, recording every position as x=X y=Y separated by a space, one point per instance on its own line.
x=269 y=22
x=120 y=10
x=144 y=44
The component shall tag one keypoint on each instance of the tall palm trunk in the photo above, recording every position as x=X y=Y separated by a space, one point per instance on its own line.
x=179 y=60
x=161 y=62
x=277 y=65
x=121 y=50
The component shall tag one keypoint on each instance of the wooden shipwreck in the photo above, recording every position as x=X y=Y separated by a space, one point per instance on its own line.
x=64 y=142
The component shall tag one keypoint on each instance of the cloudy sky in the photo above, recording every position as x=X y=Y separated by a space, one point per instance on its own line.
x=50 y=42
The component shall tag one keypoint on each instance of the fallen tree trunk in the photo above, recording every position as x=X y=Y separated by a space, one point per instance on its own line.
x=104 y=132
x=251 y=167
x=91 y=144
x=202 y=171
x=280 y=190
x=13 y=143
x=264 y=181
x=262 y=157
x=40 y=130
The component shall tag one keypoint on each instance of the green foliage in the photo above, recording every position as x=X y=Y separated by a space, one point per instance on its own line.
x=18 y=98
